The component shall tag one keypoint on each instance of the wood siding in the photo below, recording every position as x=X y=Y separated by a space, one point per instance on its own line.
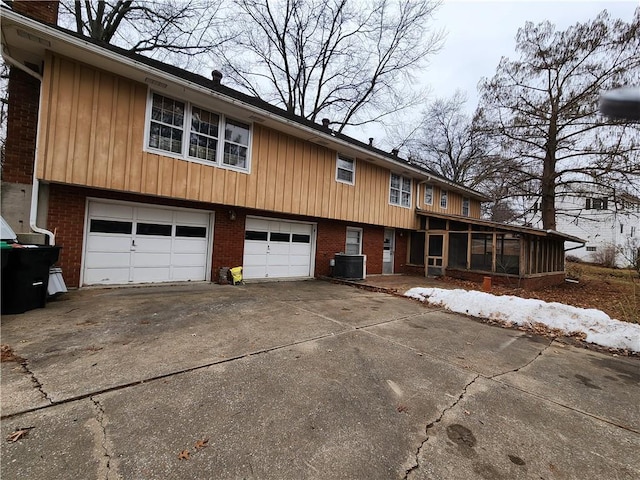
x=454 y=202
x=92 y=134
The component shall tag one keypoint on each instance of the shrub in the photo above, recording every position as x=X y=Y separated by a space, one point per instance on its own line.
x=605 y=256
x=573 y=258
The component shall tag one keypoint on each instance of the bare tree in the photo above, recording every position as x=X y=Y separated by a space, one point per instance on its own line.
x=4 y=107
x=544 y=106
x=447 y=142
x=346 y=60
x=177 y=30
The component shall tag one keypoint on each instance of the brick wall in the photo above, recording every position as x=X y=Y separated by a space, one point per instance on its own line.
x=22 y=118
x=400 y=256
x=47 y=11
x=331 y=239
x=528 y=283
x=372 y=245
x=228 y=241
x=66 y=217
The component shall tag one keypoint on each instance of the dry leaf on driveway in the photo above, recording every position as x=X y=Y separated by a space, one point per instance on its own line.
x=202 y=443
x=18 y=434
x=184 y=455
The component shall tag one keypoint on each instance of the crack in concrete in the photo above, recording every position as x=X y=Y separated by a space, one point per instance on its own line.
x=25 y=366
x=429 y=426
x=100 y=417
x=540 y=353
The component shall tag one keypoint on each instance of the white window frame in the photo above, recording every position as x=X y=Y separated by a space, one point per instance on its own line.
x=186 y=135
x=444 y=199
x=346 y=244
x=466 y=206
x=352 y=171
x=400 y=190
x=428 y=194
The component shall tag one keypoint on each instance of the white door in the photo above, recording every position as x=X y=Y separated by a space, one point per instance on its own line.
x=277 y=249
x=388 y=250
x=133 y=243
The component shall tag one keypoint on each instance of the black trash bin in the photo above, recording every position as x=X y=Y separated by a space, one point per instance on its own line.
x=25 y=277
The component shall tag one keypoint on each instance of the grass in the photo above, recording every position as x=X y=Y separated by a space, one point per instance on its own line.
x=620 y=288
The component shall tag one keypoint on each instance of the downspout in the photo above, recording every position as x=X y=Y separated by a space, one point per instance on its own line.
x=35 y=188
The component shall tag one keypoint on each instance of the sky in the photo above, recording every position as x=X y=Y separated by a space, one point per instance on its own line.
x=480 y=32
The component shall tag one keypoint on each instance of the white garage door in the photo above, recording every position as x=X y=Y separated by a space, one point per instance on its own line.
x=133 y=243
x=277 y=249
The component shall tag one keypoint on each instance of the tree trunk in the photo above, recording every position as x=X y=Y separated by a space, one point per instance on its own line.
x=548 y=187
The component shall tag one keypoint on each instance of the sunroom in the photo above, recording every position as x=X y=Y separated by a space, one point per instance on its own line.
x=471 y=249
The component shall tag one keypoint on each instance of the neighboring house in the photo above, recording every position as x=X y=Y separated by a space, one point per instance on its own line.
x=608 y=220
x=144 y=172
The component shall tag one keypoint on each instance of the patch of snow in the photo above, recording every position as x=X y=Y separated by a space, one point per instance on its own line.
x=598 y=327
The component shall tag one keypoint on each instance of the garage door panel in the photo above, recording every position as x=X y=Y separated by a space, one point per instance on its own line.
x=257 y=224
x=298 y=260
x=109 y=259
x=107 y=276
x=103 y=243
x=151 y=274
x=298 y=270
x=254 y=271
x=154 y=215
x=147 y=259
x=181 y=245
x=191 y=218
x=159 y=244
x=186 y=260
x=279 y=271
x=187 y=273
x=278 y=249
x=275 y=248
x=107 y=210
x=153 y=244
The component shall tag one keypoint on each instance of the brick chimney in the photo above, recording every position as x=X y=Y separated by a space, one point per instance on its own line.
x=46 y=11
x=22 y=118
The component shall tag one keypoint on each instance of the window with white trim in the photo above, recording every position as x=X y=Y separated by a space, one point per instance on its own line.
x=345 y=170
x=428 y=194
x=465 y=206
x=400 y=191
x=354 y=241
x=171 y=121
x=444 y=199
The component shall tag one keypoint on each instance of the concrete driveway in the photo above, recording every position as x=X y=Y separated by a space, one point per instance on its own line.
x=303 y=380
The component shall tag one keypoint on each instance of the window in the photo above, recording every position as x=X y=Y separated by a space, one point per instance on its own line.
x=416 y=252
x=170 y=121
x=110 y=226
x=633 y=231
x=591 y=249
x=621 y=228
x=203 y=141
x=400 y=191
x=167 y=124
x=481 y=251
x=428 y=194
x=236 y=144
x=458 y=246
x=279 y=237
x=354 y=241
x=191 y=232
x=596 y=203
x=345 y=170
x=444 y=199
x=465 y=207
x=154 y=229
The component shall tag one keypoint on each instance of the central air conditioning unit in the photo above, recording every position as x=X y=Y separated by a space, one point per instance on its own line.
x=350 y=267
